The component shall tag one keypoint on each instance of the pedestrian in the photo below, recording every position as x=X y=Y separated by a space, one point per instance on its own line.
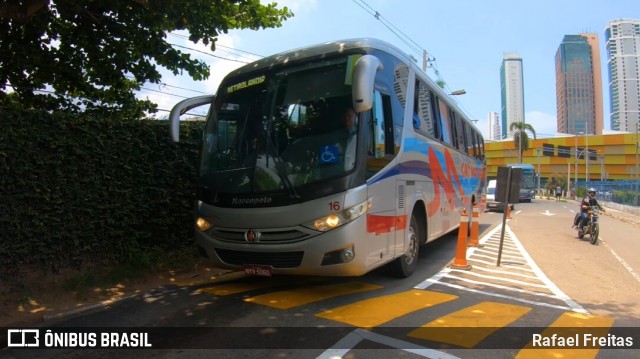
x=558 y=193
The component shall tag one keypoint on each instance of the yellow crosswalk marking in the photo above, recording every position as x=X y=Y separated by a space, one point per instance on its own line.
x=286 y=299
x=572 y=328
x=469 y=326
x=375 y=311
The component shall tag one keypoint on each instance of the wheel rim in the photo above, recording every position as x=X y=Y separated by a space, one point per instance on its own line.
x=413 y=246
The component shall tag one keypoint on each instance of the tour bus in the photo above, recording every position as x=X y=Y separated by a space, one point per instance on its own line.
x=285 y=187
x=528 y=183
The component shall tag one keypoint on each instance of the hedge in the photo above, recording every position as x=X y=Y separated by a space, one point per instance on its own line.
x=77 y=190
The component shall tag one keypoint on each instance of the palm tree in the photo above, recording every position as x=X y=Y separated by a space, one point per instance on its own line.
x=520 y=129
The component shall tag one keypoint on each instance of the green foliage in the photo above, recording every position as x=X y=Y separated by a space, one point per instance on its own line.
x=77 y=189
x=95 y=54
x=520 y=137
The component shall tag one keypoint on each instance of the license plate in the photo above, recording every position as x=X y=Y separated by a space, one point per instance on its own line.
x=257 y=270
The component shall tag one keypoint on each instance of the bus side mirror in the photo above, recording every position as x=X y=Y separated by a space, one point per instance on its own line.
x=364 y=75
x=181 y=108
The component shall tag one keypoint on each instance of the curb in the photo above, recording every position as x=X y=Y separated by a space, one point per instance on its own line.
x=104 y=305
x=88 y=309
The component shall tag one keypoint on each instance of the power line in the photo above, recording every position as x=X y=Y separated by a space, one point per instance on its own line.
x=413 y=45
x=162 y=92
x=183 y=88
x=206 y=53
x=379 y=16
x=222 y=46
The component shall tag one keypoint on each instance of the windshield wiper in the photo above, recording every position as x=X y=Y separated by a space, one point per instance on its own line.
x=281 y=169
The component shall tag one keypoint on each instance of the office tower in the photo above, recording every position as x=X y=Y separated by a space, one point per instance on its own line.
x=623 y=51
x=494 y=126
x=579 y=85
x=512 y=89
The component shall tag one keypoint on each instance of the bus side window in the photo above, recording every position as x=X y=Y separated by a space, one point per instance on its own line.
x=381 y=148
x=460 y=130
x=436 y=116
x=453 y=128
x=447 y=130
x=481 y=144
x=422 y=111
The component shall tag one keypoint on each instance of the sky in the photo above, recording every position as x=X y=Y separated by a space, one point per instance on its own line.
x=467 y=39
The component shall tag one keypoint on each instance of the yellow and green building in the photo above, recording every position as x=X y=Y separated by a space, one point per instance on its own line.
x=613 y=156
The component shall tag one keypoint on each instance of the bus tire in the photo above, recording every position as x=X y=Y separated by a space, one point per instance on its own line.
x=405 y=265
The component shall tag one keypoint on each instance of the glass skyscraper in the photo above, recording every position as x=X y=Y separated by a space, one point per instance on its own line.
x=623 y=50
x=579 y=85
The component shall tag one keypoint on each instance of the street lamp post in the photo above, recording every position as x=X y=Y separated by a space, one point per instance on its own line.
x=538 y=191
x=635 y=184
x=587 y=156
x=568 y=179
x=585 y=152
x=575 y=167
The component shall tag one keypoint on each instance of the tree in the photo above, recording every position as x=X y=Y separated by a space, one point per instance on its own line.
x=94 y=55
x=520 y=132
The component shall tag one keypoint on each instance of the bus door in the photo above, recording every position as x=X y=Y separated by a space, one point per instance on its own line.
x=385 y=218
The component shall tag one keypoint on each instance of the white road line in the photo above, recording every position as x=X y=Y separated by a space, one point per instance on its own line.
x=554 y=288
x=346 y=344
x=504 y=272
x=494 y=263
x=622 y=261
x=504 y=287
x=504 y=255
x=484 y=250
x=497 y=246
x=495 y=242
x=504 y=296
x=557 y=293
x=515 y=281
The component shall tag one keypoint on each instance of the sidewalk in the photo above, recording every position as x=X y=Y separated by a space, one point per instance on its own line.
x=625 y=213
x=622 y=212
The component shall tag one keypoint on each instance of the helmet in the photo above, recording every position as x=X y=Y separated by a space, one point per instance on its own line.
x=592 y=190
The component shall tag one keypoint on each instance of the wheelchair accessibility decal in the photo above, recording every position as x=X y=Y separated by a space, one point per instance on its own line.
x=329 y=154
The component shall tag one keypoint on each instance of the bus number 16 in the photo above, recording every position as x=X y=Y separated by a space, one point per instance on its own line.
x=334 y=206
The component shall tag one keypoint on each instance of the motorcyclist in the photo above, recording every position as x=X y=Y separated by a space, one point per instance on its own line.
x=588 y=201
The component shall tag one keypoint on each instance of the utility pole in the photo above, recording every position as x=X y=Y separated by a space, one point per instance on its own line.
x=587 y=156
x=424 y=61
x=538 y=149
x=568 y=179
x=575 y=168
x=635 y=184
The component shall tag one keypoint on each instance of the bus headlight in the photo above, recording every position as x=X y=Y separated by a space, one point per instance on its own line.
x=337 y=219
x=202 y=224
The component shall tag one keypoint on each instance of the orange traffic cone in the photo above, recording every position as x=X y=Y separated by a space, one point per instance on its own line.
x=508 y=209
x=460 y=261
x=475 y=230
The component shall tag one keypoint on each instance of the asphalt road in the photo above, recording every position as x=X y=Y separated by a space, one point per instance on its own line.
x=547 y=278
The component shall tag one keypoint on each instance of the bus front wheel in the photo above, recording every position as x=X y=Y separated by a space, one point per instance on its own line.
x=405 y=265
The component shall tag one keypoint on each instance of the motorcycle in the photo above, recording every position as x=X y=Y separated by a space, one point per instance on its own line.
x=592 y=228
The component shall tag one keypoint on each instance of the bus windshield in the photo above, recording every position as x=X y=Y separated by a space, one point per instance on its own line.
x=528 y=178
x=275 y=131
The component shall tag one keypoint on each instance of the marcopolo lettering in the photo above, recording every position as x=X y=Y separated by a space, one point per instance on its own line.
x=252 y=201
